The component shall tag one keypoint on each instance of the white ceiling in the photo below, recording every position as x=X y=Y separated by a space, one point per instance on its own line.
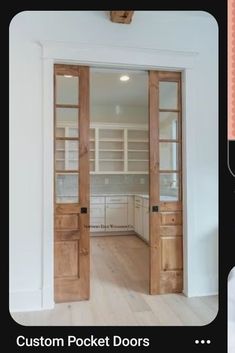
x=106 y=87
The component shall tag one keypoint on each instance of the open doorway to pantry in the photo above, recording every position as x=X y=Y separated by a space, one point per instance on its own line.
x=130 y=144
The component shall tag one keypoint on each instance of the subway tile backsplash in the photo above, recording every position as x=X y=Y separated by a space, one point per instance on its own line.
x=129 y=183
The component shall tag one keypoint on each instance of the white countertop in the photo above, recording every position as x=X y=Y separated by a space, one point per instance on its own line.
x=145 y=196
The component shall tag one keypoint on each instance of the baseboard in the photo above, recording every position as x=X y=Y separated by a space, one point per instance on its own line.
x=25 y=301
x=191 y=295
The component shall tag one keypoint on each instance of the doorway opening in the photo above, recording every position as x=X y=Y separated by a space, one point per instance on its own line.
x=119 y=177
x=119 y=131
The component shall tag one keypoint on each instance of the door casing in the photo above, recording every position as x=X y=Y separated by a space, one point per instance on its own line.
x=84 y=54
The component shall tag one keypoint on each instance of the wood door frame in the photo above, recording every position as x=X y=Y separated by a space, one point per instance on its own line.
x=84 y=54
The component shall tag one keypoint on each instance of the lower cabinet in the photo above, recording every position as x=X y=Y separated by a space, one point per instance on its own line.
x=142 y=217
x=97 y=214
x=116 y=217
x=120 y=214
x=138 y=215
x=145 y=233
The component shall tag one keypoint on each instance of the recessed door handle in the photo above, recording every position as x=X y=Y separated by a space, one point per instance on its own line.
x=83 y=209
x=155 y=209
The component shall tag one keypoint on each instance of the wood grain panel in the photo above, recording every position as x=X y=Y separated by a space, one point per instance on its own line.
x=171 y=218
x=66 y=222
x=68 y=290
x=169 y=75
x=60 y=69
x=67 y=235
x=171 y=230
x=172 y=253
x=67 y=252
x=170 y=206
x=121 y=16
x=84 y=181
x=68 y=208
x=171 y=282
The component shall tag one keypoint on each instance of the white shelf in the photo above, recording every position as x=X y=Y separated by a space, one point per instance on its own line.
x=138 y=160
x=115 y=149
x=110 y=150
x=138 y=140
x=110 y=160
x=110 y=140
x=138 y=150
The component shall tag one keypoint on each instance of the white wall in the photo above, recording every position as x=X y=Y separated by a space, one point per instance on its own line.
x=165 y=30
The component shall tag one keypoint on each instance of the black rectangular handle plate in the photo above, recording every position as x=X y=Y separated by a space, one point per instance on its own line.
x=83 y=209
x=155 y=209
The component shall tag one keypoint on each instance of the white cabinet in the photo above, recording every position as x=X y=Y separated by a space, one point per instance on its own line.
x=116 y=213
x=142 y=217
x=116 y=217
x=145 y=210
x=138 y=215
x=97 y=214
x=130 y=213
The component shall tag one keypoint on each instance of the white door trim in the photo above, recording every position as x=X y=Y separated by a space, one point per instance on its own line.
x=111 y=56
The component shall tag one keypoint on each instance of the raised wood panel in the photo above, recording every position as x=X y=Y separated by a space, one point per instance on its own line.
x=67 y=208
x=171 y=230
x=66 y=222
x=171 y=218
x=170 y=206
x=172 y=253
x=67 y=235
x=66 y=259
x=69 y=290
x=171 y=282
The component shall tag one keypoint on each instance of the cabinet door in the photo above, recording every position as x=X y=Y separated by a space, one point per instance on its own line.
x=97 y=224
x=130 y=213
x=146 y=223
x=116 y=217
x=138 y=219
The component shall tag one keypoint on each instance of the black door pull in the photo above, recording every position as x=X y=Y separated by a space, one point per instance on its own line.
x=83 y=209
x=154 y=208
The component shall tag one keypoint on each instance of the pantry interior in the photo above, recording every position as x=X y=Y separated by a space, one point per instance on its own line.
x=119 y=153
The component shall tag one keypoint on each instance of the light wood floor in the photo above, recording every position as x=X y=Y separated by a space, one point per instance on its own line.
x=119 y=293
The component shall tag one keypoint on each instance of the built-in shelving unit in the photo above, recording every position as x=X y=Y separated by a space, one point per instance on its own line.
x=114 y=149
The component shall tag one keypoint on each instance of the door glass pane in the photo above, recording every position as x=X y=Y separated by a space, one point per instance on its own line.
x=66 y=90
x=168 y=155
x=169 y=187
x=168 y=127
x=67 y=188
x=66 y=155
x=168 y=95
x=67 y=122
